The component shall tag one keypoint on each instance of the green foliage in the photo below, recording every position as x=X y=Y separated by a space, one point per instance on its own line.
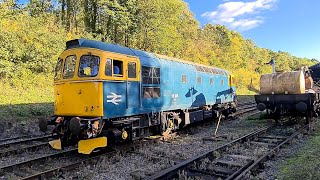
x=27 y=42
x=26 y=87
x=163 y=26
x=26 y=95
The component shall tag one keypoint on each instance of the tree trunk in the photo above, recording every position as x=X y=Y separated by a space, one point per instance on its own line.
x=63 y=4
x=86 y=15
x=94 y=16
x=68 y=15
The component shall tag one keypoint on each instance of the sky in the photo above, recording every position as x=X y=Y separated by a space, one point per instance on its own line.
x=280 y=25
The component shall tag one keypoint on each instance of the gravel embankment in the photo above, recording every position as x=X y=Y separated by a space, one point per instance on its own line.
x=153 y=157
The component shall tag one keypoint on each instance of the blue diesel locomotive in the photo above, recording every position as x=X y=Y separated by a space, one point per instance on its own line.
x=107 y=93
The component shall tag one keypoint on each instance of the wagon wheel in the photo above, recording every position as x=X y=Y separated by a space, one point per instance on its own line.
x=308 y=117
x=275 y=117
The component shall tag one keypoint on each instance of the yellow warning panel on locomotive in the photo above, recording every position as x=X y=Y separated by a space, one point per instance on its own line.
x=79 y=99
x=88 y=145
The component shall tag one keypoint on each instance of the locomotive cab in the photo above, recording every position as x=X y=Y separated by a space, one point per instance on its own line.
x=86 y=82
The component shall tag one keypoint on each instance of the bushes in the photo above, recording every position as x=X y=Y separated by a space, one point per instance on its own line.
x=26 y=95
x=31 y=43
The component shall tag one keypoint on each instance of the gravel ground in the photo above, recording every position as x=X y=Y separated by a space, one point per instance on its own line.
x=145 y=160
x=148 y=159
x=33 y=168
x=153 y=157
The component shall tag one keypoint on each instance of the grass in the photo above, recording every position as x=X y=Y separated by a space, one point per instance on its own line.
x=245 y=98
x=245 y=91
x=23 y=90
x=23 y=98
x=261 y=118
x=245 y=95
x=306 y=164
x=23 y=112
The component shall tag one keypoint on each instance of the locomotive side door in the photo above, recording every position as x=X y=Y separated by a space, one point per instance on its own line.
x=133 y=85
x=121 y=85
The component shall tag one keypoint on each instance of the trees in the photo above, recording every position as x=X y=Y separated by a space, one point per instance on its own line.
x=28 y=42
x=117 y=21
x=161 y=26
x=32 y=36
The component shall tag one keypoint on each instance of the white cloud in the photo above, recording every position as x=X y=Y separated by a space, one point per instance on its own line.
x=239 y=15
x=245 y=24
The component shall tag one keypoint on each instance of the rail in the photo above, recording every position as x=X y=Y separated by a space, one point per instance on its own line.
x=225 y=162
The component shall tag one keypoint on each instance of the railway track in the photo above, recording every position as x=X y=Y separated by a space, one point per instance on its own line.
x=11 y=146
x=244 y=108
x=246 y=103
x=12 y=139
x=235 y=159
x=51 y=164
x=15 y=145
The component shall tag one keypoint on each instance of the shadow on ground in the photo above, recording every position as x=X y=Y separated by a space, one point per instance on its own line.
x=22 y=119
x=25 y=111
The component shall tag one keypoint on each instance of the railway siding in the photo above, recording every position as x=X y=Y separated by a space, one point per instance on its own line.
x=235 y=159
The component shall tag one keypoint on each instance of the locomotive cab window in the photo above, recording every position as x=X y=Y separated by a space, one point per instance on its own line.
x=57 y=70
x=114 y=68
x=69 y=67
x=117 y=68
x=132 y=70
x=108 y=70
x=89 y=66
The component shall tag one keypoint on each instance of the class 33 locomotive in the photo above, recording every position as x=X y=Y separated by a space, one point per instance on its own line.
x=106 y=93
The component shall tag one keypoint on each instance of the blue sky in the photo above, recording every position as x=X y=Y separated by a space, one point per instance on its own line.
x=286 y=25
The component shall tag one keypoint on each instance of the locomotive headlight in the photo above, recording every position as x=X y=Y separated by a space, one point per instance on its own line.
x=124 y=135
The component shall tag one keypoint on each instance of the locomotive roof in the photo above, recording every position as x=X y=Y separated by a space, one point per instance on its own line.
x=134 y=52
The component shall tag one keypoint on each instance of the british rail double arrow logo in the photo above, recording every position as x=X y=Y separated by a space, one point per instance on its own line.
x=114 y=98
